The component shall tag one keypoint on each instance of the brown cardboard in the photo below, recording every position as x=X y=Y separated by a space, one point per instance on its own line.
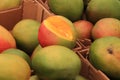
x=28 y=9
x=9 y=18
x=34 y=10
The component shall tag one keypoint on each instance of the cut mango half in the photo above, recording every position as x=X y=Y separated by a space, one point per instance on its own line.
x=59 y=26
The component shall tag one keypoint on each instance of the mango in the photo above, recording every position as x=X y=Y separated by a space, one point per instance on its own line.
x=72 y=10
x=25 y=33
x=57 y=30
x=6 y=39
x=56 y=62
x=98 y=9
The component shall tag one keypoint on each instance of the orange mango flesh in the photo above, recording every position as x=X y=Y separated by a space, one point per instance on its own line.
x=59 y=26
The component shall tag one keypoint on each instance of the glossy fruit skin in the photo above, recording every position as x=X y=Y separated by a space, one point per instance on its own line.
x=84 y=29
x=9 y=4
x=49 y=37
x=22 y=54
x=36 y=50
x=70 y=9
x=106 y=27
x=56 y=62
x=104 y=54
x=98 y=9
x=80 y=77
x=25 y=33
x=12 y=68
x=6 y=39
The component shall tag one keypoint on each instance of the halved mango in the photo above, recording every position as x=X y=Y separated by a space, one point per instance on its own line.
x=57 y=30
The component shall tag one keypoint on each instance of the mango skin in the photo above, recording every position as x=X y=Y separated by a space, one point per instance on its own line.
x=47 y=37
x=25 y=33
x=98 y=9
x=15 y=51
x=12 y=68
x=83 y=28
x=106 y=27
x=9 y=4
x=70 y=9
x=56 y=63
x=104 y=55
x=6 y=39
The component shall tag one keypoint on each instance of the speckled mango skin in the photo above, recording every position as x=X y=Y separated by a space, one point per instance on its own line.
x=104 y=55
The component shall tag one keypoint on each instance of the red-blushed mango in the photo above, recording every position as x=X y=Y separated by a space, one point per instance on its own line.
x=106 y=27
x=83 y=28
x=6 y=39
x=57 y=30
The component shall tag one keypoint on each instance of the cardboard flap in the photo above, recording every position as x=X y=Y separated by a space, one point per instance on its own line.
x=9 y=18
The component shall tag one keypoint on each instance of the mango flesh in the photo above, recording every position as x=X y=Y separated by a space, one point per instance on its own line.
x=59 y=27
x=6 y=39
x=36 y=50
x=80 y=77
x=57 y=30
x=98 y=9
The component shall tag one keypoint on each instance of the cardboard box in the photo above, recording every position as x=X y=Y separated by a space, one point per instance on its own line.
x=29 y=9
x=34 y=10
x=38 y=10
